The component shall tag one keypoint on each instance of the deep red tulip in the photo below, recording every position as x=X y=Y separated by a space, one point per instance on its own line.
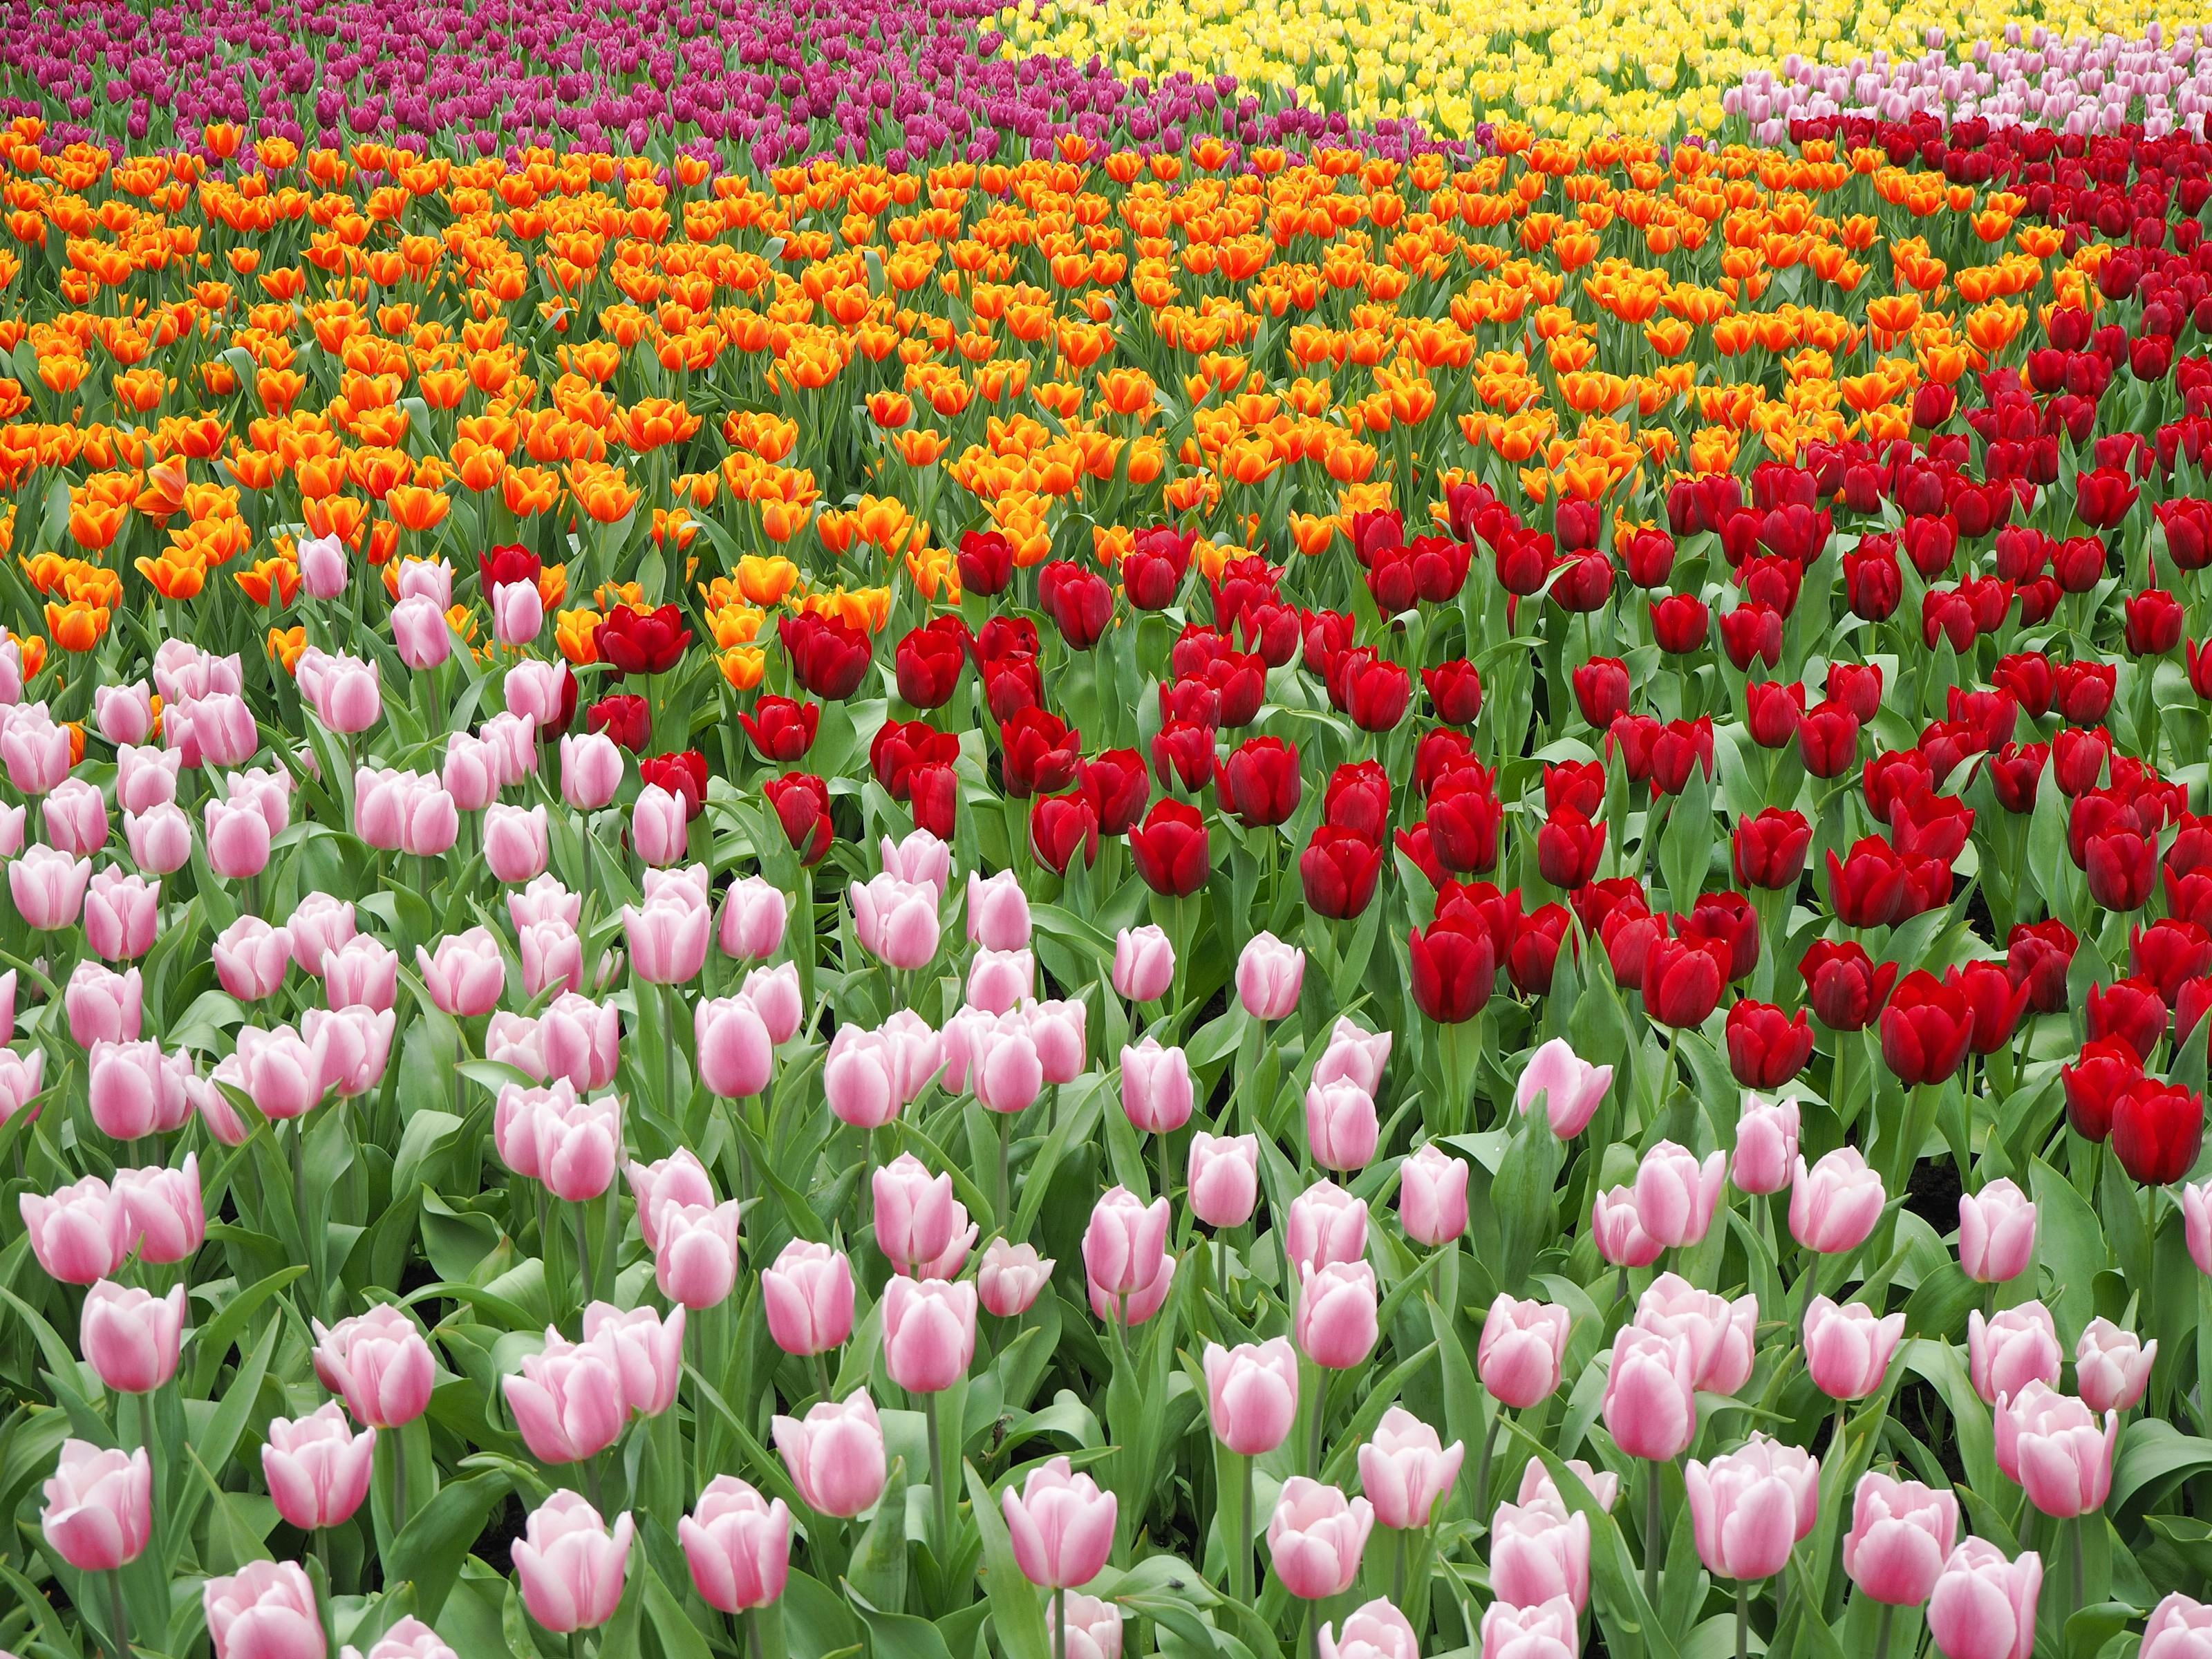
x=929 y=660
x=1752 y=633
x=1183 y=751
x=1993 y=1002
x=1772 y=711
x=1857 y=687
x=1729 y=920
x=1683 y=979
x=2188 y=527
x=1867 y=888
x=780 y=729
x=1359 y=799
x=1079 y=601
x=828 y=655
x=1893 y=775
x=2078 y=564
x=1011 y=683
x=1372 y=690
x=1925 y=1029
x=2132 y=1011
x=987 y=563
x=1681 y=745
x=2122 y=867
x=1569 y=848
x=1927 y=825
x=1574 y=785
x=934 y=793
x=2102 y=498
x=1680 y=623
x=624 y=716
x=2081 y=692
x=1039 y=753
x=2093 y=1082
x=1464 y=820
x=1633 y=737
x=2154 y=621
x=1828 y=739
x=1648 y=556
x=1454 y=967
x=1843 y=985
x=1873 y=583
x=1601 y=691
x=1769 y=848
x=1536 y=953
x=1169 y=849
x=1259 y=782
x=683 y=774
x=2029 y=676
x=2038 y=956
x=2158 y=1129
x=1454 y=691
x=900 y=746
x=1114 y=783
x=1767 y=1048
x=1062 y=826
x=802 y=807
x=1340 y=869
x=635 y=641
x=2078 y=757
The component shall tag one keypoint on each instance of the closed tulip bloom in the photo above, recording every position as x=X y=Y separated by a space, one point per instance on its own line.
x=1011 y=1279
x=1650 y=1404
x=1618 y=1230
x=124 y=714
x=1316 y=1538
x=1062 y=1526
x=1268 y=975
x=1765 y=1145
x=165 y=1209
x=1570 y=1088
x=929 y=1332
x=22 y=1077
x=35 y=749
x=317 y=1467
x=75 y=816
x=2057 y=1448
x=1327 y=1225
x=775 y=992
x=121 y=915
x=1550 y=1629
x=131 y=1337
x=679 y=1178
x=2018 y=1347
x=1834 y=1205
x=808 y=1297
x=1537 y=1486
x=695 y=1262
x=1983 y=1607
x=1355 y=1054
x=646 y=1350
x=515 y=843
x=735 y=1058
x=1538 y=1551
x=103 y=1006
x=410 y=1638
x=1125 y=1246
x=1156 y=1087
x=1341 y=1127
x=1006 y=1071
x=1523 y=1346
x=568 y=1401
x=465 y=975
x=1224 y=1178
x=998 y=911
x=1432 y=1196
x=1901 y=1534
x=146 y=778
x=99 y=1510
x=319 y=925
x=1406 y=1469
x=134 y=1090
x=836 y=1454
x=251 y=957
x=753 y=918
x=1143 y=964
x=1847 y=1349
x=1743 y=1510
x=578 y=1142
x=660 y=828
x=571 y=1564
x=1252 y=1395
x=160 y=838
x=896 y=921
x=1060 y=1029
x=80 y=1234
x=378 y=1362
x=1375 y=1631
x=999 y=980
x=918 y=1222
x=1676 y=1195
x=668 y=936
x=591 y=767
x=738 y=1545
x=1336 y=1315
x=2179 y=1628
x=1722 y=1334
x=265 y=1610
x=1996 y=1232
x=2112 y=1367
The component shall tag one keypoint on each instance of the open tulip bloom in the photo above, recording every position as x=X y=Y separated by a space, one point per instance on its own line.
x=924 y=821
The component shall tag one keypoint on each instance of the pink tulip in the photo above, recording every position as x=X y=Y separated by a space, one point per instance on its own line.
x=160 y=839
x=896 y=921
x=410 y=1638
x=1618 y=1230
x=753 y=919
x=918 y=1222
x=572 y=1565
x=1375 y=1631
x=1722 y=1334
x=99 y=1510
x=999 y=980
x=135 y=1090
x=1996 y=1232
x=35 y=749
x=280 y=1071
x=318 y=1470
x=1650 y=1402
x=216 y=729
x=1252 y=1395
x=266 y=1610
x=429 y=818
x=1341 y=1127
x=1143 y=964
x=735 y=1058
x=1406 y=1469
x=1269 y=973
x=81 y=1234
x=775 y=992
x=1011 y=1279
x=1548 y=1630
x=122 y=915
x=537 y=691
x=1538 y=1551
x=2017 y=1347
x=22 y=1077
x=1061 y=1525
x=1432 y=1196
x=421 y=633
x=518 y=614
x=75 y=817
x=1005 y=1072
x=145 y=778
x=568 y=1401
x=550 y=954
x=465 y=975
x=1094 y=1627
x=1059 y=1029
x=2057 y=1449
x=668 y=937
x=103 y=1006
x=319 y=925
x=660 y=826
x=131 y=1337
x=998 y=911
x=861 y=1077
x=124 y=714
x=48 y=887
x=580 y=1041
x=237 y=839
x=1137 y=1307
x=592 y=768
x=2179 y=1628
x=695 y=1262
x=516 y=843
x=165 y=1209
x=1983 y=1606
x=1901 y=1533
x=738 y=1544
x=1834 y=1205
x=1847 y=1349
x=1315 y=1538
x=922 y=857
x=1336 y=1314
x=1156 y=1087
x=1523 y=1346
x=1223 y=1179
x=1748 y=1507
x=1538 y=1486
x=251 y=957
x=378 y=1362
x=1569 y=1086
x=1125 y=1247
x=1676 y=1195
x=836 y=1454
x=1353 y=1053
x=344 y=691
x=808 y=1296
x=11 y=835
x=2112 y=1367
x=353 y=1045
x=1327 y=1225
x=646 y=1349
x=679 y=1178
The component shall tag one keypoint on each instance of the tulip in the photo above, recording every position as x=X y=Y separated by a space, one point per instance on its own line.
x=1619 y=1231
x=592 y=768
x=75 y=817
x=1341 y=1127
x=1336 y=1314
x=1224 y=1178
x=1901 y=1534
x=2112 y=1367
x=808 y=1297
x=1432 y=1196
x=1572 y=1089
x=99 y=1510
x=1538 y=1551
x=135 y=1090
x=1327 y=1225
x=1983 y=1607
x=1834 y=1205
x=131 y=1337
x=1996 y=1232
x=1748 y=1507
x=2058 y=1450
x=165 y=1210
x=572 y=1566
x=753 y=918
x=103 y=1006
x=2179 y=1628
x=919 y=1224
x=1062 y=1526
x=1315 y=1538
x=1721 y=1332
x=81 y=1234
x=410 y=1638
x=1125 y=1247
x=1406 y=1469
x=695 y=1260
x=1524 y=1347
x=735 y=1058
x=997 y=912
x=1268 y=975
x=1650 y=1404
x=318 y=1470
x=738 y=1545
x=1143 y=964
x=1011 y=1279
x=929 y=1332
x=1765 y=1146
x=896 y=921
x=1847 y=1349
x=379 y=1363
x=999 y=980
x=2006 y=1353
x=465 y=975
x=48 y=887
x=1375 y=1631
x=1252 y=1395
x=1005 y=1070
x=1156 y=1087
x=1550 y=1629
x=251 y=958
x=1676 y=1195
x=568 y=1402
x=22 y=1077
x=668 y=937
x=266 y=1610
x=835 y=1455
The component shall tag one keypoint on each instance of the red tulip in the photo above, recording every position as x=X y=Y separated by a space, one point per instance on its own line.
x=1767 y=1048
x=1340 y=869
x=1874 y=584
x=2169 y=952
x=2105 y=1069
x=1114 y=783
x=1843 y=985
x=2131 y=1010
x=624 y=717
x=1867 y=888
x=1259 y=782
x=1683 y=979
x=1062 y=825
x=1857 y=687
x=2158 y=1129
x=828 y=655
x=1680 y=623
x=1752 y=633
x=2038 y=956
x=2081 y=692
x=1183 y=752
x=1925 y=1029
x=1153 y=568
x=1993 y=1002
x=1038 y=753
x=2154 y=621
x=1828 y=738
x=1454 y=691
x=1569 y=848
x=1601 y=691
x=635 y=641
x=1769 y=848
x=780 y=729
x=987 y=563
x=1464 y=819
x=1359 y=799
x=901 y=746
x=1453 y=968
x=1681 y=745
x=2122 y=867
x=929 y=660
x=1370 y=689
x=1078 y=600
x=1536 y=940
x=802 y=807
x=1772 y=712
x=1170 y=850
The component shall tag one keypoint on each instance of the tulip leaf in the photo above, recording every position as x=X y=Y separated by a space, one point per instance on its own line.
x=435 y=1540
x=1015 y=1611
x=679 y=1635
x=212 y=1342
x=2071 y=1247
x=878 y=1570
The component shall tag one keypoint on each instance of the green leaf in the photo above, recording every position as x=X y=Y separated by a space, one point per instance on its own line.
x=220 y=1438
x=435 y=1540
x=1015 y=1608
x=2070 y=1246
x=2153 y=1454
x=213 y=1340
x=679 y=1637
x=878 y=1569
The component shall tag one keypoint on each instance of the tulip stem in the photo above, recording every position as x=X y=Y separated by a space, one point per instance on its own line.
x=1482 y=1467
x=752 y=1618
x=1743 y=1619
x=2074 y=1562
x=940 y=1479
x=399 y=1480
x=1006 y=1121
x=1060 y=1624
x=1248 y=1578
x=822 y=1376
x=1883 y=1631
x=119 y=1635
x=584 y=1249
x=1654 y=1518
x=300 y=1204
x=1166 y=1179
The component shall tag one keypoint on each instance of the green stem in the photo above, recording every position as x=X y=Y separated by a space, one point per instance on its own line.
x=1883 y=1630
x=300 y=1206
x=584 y=1248
x=1743 y=1619
x=1060 y=1625
x=119 y=1623
x=941 y=1480
x=1247 y=1575
x=1482 y=1468
x=821 y=1375
x=752 y=1634
x=1005 y=1172
x=1654 y=1518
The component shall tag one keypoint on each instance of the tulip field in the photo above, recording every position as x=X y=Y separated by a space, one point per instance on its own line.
x=1052 y=831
